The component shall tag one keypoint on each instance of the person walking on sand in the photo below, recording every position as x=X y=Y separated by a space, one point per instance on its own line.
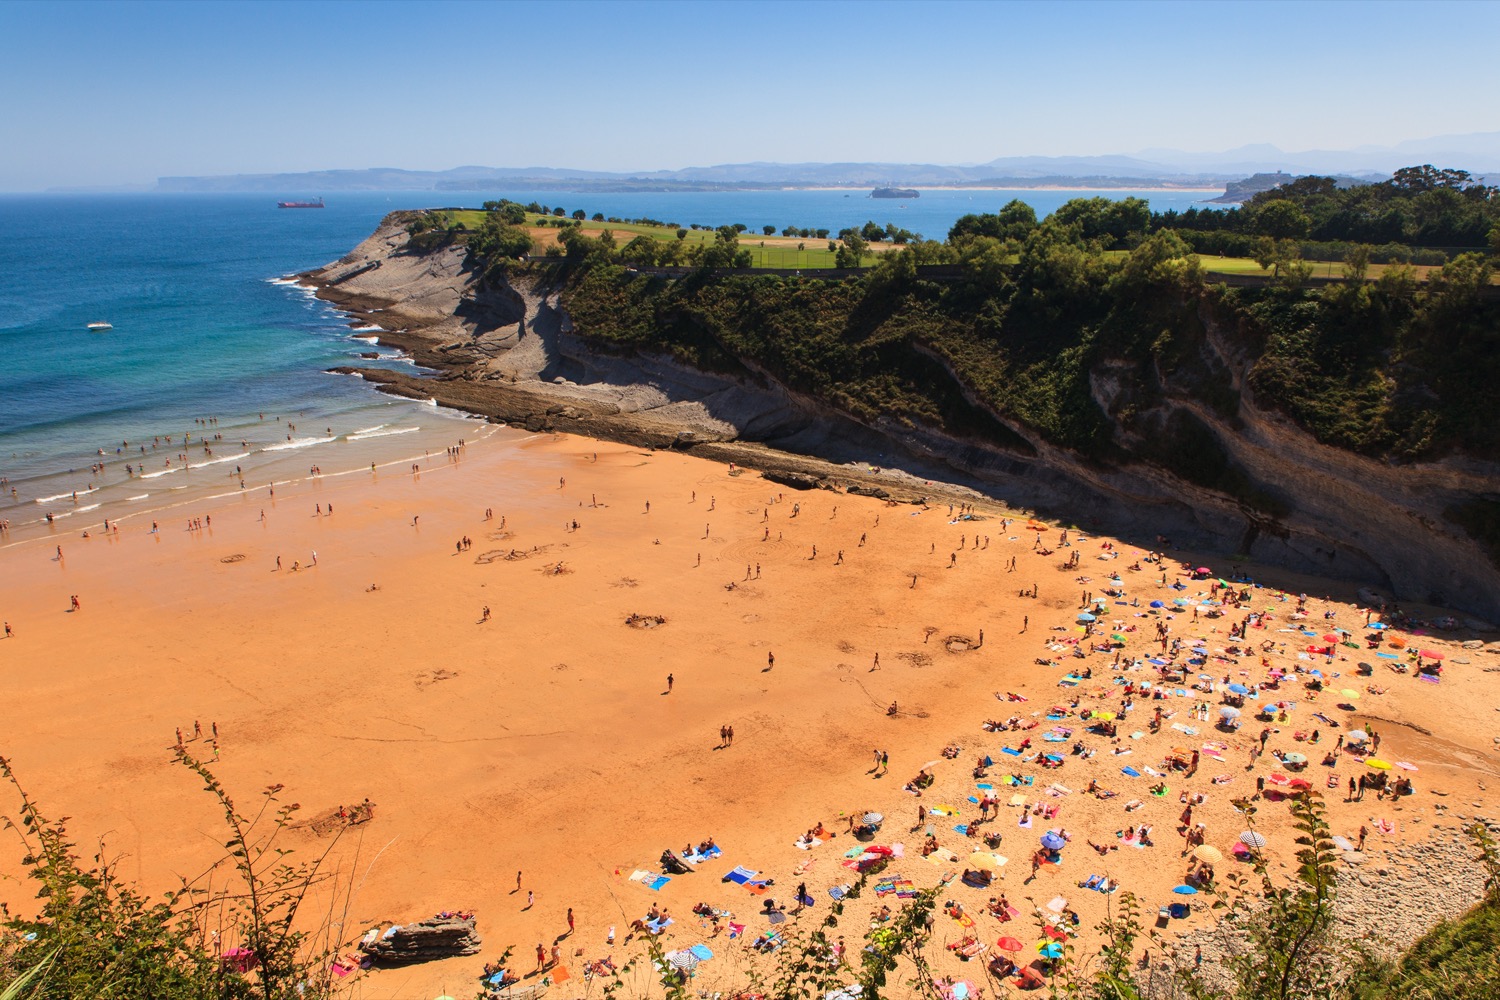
x=541 y=956
x=669 y=684
x=730 y=741
x=530 y=898
x=518 y=881
x=770 y=660
x=570 y=920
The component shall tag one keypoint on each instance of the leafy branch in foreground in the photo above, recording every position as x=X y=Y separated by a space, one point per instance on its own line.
x=92 y=935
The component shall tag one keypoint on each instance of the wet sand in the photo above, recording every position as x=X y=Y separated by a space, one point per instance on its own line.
x=544 y=739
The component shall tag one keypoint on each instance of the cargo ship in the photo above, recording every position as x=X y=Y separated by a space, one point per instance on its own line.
x=300 y=204
x=895 y=193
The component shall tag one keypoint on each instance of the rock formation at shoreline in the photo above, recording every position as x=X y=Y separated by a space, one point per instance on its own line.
x=508 y=351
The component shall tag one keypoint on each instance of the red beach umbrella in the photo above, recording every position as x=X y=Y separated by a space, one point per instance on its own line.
x=1009 y=944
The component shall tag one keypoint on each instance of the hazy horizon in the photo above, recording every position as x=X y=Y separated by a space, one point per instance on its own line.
x=123 y=93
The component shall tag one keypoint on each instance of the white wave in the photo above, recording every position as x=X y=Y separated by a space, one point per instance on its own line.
x=157 y=473
x=369 y=430
x=216 y=461
x=64 y=496
x=62 y=514
x=141 y=497
x=92 y=506
x=381 y=434
x=366 y=340
x=285 y=279
x=295 y=443
x=367 y=328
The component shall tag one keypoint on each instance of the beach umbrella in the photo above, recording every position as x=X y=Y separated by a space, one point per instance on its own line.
x=873 y=818
x=1378 y=764
x=1157 y=604
x=1356 y=736
x=1181 y=602
x=1229 y=712
x=1239 y=689
x=1378 y=626
x=1009 y=944
x=1350 y=693
x=1252 y=839
x=1209 y=853
x=1294 y=758
x=684 y=960
x=1316 y=673
x=1395 y=642
x=1106 y=716
x=1054 y=842
x=985 y=860
x=1302 y=783
x=1406 y=766
x=1055 y=933
x=1050 y=949
x=1084 y=616
x=1185 y=890
x=1429 y=654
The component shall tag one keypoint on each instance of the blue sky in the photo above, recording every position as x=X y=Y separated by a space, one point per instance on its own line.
x=125 y=92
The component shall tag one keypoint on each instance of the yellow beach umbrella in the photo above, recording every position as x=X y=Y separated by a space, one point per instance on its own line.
x=1209 y=853
x=1350 y=693
x=1106 y=716
x=984 y=859
x=1378 y=764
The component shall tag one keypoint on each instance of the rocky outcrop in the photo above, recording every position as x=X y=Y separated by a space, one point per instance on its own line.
x=423 y=941
x=505 y=349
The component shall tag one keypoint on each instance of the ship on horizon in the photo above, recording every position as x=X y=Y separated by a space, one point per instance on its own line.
x=300 y=204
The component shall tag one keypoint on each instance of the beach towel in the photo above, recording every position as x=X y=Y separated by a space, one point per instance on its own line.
x=1130 y=771
x=735 y=930
x=776 y=917
x=1025 y=823
x=985 y=787
x=741 y=875
x=656 y=883
x=806 y=846
x=702 y=952
x=840 y=891
x=1018 y=800
x=559 y=974
x=1008 y=750
x=962 y=828
x=660 y=924
x=698 y=859
x=944 y=810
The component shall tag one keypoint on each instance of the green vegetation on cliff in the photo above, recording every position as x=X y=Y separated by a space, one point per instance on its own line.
x=1027 y=332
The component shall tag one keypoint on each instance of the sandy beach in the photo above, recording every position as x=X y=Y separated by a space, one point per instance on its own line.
x=545 y=738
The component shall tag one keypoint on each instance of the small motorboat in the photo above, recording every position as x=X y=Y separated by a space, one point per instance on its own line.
x=100 y=327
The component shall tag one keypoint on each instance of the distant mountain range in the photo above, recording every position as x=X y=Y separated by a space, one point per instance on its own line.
x=1477 y=152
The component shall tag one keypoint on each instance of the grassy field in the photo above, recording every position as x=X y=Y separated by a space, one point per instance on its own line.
x=783 y=252
x=765 y=251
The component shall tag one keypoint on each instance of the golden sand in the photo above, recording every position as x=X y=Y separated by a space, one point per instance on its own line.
x=544 y=740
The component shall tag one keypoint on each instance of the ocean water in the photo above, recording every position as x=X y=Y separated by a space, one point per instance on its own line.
x=208 y=328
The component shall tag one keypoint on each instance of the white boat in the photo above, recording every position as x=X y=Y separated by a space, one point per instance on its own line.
x=100 y=327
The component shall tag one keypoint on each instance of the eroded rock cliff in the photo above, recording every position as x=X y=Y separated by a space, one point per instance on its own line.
x=505 y=348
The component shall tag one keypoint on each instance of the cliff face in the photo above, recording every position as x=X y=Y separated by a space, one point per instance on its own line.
x=507 y=350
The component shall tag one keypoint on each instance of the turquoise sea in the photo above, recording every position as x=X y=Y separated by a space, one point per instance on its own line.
x=206 y=327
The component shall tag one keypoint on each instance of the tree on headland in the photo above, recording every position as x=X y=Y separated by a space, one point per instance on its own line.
x=580 y=214
x=768 y=230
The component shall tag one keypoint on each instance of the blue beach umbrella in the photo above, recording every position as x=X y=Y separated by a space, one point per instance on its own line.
x=1050 y=949
x=1157 y=604
x=1052 y=841
x=1084 y=616
x=1185 y=890
x=1239 y=689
